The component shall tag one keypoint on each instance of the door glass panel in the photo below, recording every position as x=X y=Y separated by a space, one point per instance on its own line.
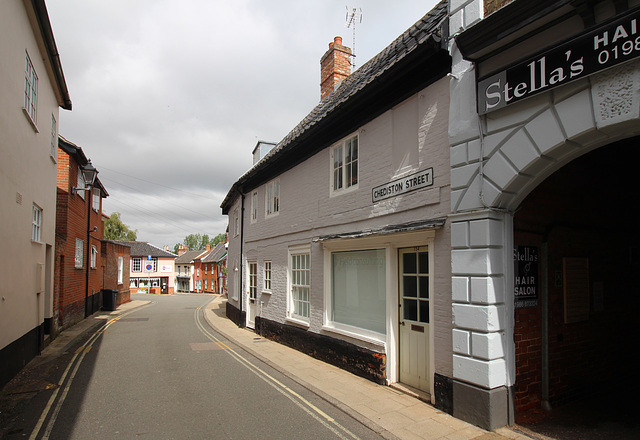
x=424 y=311
x=423 y=262
x=409 y=263
x=410 y=286
x=411 y=309
x=424 y=287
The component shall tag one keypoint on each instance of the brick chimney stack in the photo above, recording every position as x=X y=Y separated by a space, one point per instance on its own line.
x=335 y=65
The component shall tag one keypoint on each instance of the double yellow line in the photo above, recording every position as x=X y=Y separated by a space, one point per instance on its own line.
x=70 y=371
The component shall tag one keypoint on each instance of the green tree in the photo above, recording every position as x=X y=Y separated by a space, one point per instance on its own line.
x=115 y=229
x=198 y=242
x=217 y=239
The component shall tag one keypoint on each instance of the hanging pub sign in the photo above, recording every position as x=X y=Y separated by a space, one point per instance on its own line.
x=609 y=44
x=526 y=276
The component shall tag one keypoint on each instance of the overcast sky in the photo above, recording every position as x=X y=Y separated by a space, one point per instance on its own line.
x=170 y=97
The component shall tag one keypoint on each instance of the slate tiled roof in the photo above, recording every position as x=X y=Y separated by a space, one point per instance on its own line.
x=216 y=254
x=189 y=256
x=427 y=29
x=144 y=249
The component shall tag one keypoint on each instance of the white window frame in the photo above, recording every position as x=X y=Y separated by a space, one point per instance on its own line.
x=252 y=283
x=94 y=257
x=272 y=198
x=236 y=223
x=340 y=181
x=79 y=256
x=136 y=264
x=96 y=199
x=120 y=269
x=30 y=91
x=341 y=327
x=54 y=139
x=254 y=207
x=295 y=282
x=36 y=224
x=267 y=276
x=80 y=183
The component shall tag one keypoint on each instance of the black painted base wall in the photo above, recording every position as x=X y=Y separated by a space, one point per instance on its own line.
x=235 y=315
x=357 y=360
x=443 y=393
x=18 y=354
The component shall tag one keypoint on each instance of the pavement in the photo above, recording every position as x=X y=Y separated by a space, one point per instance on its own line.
x=393 y=413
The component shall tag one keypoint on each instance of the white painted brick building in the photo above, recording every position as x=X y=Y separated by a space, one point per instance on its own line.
x=339 y=243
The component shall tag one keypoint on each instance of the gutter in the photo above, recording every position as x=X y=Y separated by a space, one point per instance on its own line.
x=44 y=24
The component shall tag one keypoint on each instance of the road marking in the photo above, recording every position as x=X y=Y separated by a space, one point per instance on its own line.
x=315 y=412
x=79 y=356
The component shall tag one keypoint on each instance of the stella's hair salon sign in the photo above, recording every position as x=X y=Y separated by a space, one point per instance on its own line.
x=607 y=45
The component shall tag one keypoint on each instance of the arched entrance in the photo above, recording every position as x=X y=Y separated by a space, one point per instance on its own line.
x=576 y=340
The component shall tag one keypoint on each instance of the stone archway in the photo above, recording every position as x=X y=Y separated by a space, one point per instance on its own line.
x=491 y=176
x=574 y=343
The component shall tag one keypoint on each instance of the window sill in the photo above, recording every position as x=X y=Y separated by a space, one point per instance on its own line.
x=266 y=292
x=297 y=322
x=36 y=242
x=354 y=335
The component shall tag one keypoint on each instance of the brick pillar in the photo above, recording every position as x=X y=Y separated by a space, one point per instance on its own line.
x=335 y=65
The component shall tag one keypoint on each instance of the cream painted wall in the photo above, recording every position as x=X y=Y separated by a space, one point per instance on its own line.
x=27 y=176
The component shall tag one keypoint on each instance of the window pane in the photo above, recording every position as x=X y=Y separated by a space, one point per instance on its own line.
x=409 y=263
x=423 y=262
x=410 y=307
x=359 y=289
x=409 y=286
x=424 y=287
x=424 y=311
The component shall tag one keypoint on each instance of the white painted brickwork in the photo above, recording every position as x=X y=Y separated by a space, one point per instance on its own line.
x=409 y=138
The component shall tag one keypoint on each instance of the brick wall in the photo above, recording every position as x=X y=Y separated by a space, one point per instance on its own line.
x=335 y=65
x=70 y=283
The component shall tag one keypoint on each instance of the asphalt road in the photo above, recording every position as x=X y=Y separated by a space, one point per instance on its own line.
x=160 y=372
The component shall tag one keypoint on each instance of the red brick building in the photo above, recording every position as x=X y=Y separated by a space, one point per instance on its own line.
x=214 y=267
x=84 y=263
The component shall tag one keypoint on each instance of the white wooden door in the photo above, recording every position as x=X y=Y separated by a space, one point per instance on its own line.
x=413 y=276
x=253 y=293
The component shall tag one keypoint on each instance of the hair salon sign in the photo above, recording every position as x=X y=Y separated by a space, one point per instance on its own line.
x=610 y=44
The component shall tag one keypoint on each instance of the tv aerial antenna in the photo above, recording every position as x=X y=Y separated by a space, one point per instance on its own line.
x=354 y=16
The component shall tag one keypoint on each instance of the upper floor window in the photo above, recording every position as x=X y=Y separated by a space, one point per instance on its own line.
x=236 y=223
x=54 y=138
x=96 y=199
x=136 y=264
x=80 y=183
x=344 y=159
x=254 y=207
x=30 y=90
x=36 y=223
x=272 y=198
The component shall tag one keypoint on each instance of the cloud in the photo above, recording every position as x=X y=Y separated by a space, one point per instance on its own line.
x=170 y=98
